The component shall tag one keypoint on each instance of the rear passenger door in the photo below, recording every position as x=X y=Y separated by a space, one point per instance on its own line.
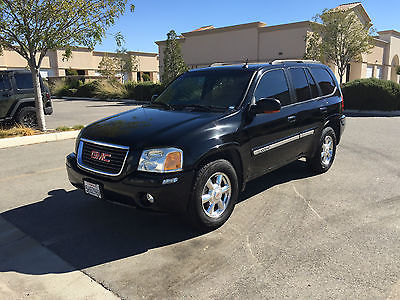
x=330 y=98
x=307 y=106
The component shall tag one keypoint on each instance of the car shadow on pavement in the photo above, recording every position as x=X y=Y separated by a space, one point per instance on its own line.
x=294 y=171
x=86 y=232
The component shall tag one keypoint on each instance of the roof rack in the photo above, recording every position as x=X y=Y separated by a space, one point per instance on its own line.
x=298 y=61
x=219 y=64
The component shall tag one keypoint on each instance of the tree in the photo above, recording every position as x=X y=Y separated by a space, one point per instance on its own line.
x=340 y=39
x=120 y=63
x=107 y=67
x=174 y=64
x=33 y=27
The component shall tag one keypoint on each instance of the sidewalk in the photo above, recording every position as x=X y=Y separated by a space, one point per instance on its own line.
x=29 y=270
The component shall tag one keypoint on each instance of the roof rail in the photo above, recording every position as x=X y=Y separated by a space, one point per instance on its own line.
x=219 y=64
x=298 y=61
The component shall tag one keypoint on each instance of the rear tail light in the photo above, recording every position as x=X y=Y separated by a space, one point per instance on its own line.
x=342 y=104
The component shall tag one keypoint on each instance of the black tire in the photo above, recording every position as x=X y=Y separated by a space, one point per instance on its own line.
x=317 y=162
x=196 y=209
x=26 y=116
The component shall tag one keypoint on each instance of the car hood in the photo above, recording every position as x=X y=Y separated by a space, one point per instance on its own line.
x=147 y=126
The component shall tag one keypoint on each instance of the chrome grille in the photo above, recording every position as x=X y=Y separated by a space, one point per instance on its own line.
x=102 y=158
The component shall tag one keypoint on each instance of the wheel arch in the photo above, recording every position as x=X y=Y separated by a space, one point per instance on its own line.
x=21 y=104
x=229 y=152
x=334 y=123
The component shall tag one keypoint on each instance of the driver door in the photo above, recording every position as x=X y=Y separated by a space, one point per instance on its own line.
x=272 y=137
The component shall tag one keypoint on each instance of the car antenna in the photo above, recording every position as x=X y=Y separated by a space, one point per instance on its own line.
x=246 y=64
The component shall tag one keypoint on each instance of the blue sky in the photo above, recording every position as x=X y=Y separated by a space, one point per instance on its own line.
x=152 y=19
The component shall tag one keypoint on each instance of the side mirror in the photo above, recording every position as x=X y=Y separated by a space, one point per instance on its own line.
x=267 y=106
x=154 y=97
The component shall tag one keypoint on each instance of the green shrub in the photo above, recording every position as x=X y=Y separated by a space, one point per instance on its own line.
x=146 y=77
x=71 y=72
x=142 y=91
x=103 y=89
x=371 y=94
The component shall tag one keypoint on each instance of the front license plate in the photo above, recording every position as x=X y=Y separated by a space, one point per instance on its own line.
x=92 y=189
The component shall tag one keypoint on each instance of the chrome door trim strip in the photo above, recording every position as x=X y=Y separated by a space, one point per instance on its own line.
x=285 y=141
x=307 y=133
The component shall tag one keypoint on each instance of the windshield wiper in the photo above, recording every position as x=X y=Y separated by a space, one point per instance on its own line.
x=166 y=105
x=201 y=107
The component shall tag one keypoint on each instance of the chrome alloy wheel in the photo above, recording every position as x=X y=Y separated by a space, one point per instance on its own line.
x=327 y=150
x=216 y=195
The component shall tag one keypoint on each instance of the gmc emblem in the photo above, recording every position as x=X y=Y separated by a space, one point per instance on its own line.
x=100 y=156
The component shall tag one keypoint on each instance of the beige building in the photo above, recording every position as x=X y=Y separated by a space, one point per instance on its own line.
x=258 y=42
x=84 y=61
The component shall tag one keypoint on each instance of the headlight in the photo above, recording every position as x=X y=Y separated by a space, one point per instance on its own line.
x=161 y=160
x=77 y=140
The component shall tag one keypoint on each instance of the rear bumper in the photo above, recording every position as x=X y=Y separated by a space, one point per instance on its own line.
x=48 y=108
x=342 y=125
x=132 y=189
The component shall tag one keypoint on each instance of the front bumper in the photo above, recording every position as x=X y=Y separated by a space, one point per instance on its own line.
x=131 y=189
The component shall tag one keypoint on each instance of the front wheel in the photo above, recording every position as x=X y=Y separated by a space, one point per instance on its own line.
x=214 y=196
x=325 y=154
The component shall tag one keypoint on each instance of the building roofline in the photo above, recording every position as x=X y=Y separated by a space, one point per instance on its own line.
x=391 y=31
x=355 y=6
x=226 y=28
x=287 y=26
x=129 y=52
x=182 y=39
x=377 y=39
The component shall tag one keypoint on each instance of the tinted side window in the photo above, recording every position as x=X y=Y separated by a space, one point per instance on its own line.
x=5 y=83
x=24 y=81
x=273 y=85
x=324 y=80
x=300 y=84
x=313 y=85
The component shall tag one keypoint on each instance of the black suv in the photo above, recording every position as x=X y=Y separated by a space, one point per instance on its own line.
x=194 y=147
x=17 y=100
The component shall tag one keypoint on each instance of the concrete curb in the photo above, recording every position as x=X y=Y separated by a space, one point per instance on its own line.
x=35 y=139
x=371 y=113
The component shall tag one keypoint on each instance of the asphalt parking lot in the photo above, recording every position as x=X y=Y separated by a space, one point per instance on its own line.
x=293 y=234
x=70 y=112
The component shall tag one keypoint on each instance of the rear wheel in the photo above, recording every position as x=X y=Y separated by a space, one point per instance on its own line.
x=26 y=116
x=325 y=154
x=214 y=196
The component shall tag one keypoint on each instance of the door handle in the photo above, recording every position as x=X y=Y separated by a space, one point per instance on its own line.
x=292 y=119
x=323 y=110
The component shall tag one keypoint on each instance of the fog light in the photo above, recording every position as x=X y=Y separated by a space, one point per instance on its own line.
x=150 y=198
x=170 y=180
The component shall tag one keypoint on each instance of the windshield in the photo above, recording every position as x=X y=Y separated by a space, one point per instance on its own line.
x=216 y=88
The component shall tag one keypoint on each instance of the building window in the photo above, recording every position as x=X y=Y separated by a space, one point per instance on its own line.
x=370 y=71
x=379 y=72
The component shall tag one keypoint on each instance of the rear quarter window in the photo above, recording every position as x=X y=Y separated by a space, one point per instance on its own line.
x=324 y=80
x=23 y=81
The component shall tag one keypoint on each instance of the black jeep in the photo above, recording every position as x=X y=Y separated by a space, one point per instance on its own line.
x=17 y=100
x=194 y=147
